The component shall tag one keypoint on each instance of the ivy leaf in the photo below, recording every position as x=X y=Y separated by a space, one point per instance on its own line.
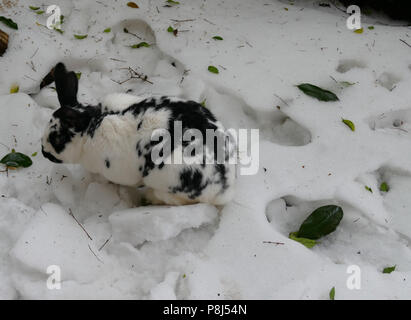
x=389 y=269
x=368 y=189
x=59 y=30
x=40 y=12
x=332 y=293
x=349 y=124
x=14 y=88
x=34 y=154
x=371 y=28
x=309 y=243
x=203 y=103
x=139 y=45
x=107 y=30
x=321 y=222
x=317 y=92
x=172 y=2
x=34 y=8
x=213 y=69
x=16 y=160
x=217 y=38
x=8 y=22
x=132 y=5
x=78 y=75
x=80 y=37
x=384 y=187
x=359 y=31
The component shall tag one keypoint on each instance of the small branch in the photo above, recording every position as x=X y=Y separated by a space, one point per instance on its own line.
x=81 y=226
x=117 y=60
x=186 y=20
x=105 y=243
x=134 y=75
x=209 y=21
x=274 y=242
x=405 y=42
x=34 y=53
x=95 y=254
x=281 y=99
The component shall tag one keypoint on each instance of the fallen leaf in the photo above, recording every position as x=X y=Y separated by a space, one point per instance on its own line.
x=213 y=69
x=80 y=37
x=133 y=5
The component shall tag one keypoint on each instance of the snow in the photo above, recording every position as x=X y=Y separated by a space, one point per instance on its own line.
x=308 y=157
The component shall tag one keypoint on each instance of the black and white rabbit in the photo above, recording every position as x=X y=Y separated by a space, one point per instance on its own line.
x=115 y=140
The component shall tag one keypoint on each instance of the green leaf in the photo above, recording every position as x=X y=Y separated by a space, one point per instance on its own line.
x=78 y=75
x=172 y=2
x=59 y=30
x=217 y=38
x=80 y=37
x=317 y=92
x=16 y=160
x=371 y=28
x=359 y=31
x=368 y=189
x=107 y=30
x=170 y=29
x=321 y=222
x=212 y=69
x=389 y=269
x=61 y=19
x=139 y=45
x=332 y=293
x=349 y=124
x=34 y=8
x=40 y=12
x=309 y=243
x=384 y=187
x=8 y=22
x=14 y=88
x=34 y=154
x=203 y=103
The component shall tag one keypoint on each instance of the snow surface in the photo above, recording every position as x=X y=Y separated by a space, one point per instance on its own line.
x=308 y=156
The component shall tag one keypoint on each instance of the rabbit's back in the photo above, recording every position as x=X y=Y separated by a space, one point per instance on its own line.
x=130 y=122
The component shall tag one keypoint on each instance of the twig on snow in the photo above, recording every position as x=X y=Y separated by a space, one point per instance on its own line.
x=105 y=243
x=274 y=242
x=405 y=42
x=81 y=226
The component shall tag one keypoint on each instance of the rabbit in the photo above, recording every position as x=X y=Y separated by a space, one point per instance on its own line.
x=115 y=139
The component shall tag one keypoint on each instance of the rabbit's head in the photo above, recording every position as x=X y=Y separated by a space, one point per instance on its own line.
x=63 y=138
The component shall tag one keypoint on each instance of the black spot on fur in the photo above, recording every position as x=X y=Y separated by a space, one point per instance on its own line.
x=107 y=163
x=191 y=182
x=221 y=171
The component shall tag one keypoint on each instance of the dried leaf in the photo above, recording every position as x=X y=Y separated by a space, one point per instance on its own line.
x=133 y=5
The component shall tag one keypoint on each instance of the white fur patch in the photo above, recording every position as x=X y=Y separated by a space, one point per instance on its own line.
x=120 y=101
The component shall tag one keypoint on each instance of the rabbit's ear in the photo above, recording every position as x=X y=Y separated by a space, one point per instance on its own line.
x=66 y=86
